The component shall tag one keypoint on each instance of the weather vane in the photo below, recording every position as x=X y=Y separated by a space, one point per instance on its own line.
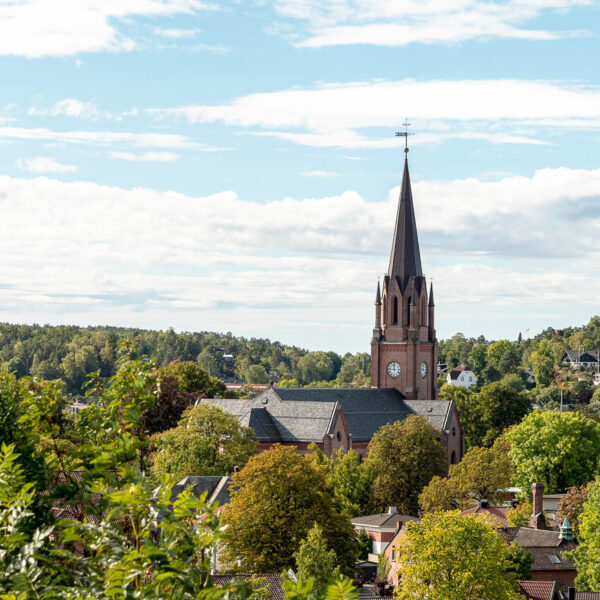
x=404 y=134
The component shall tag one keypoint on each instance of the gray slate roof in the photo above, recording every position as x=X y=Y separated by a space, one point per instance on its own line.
x=581 y=356
x=385 y=519
x=309 y=414
x=216 y=488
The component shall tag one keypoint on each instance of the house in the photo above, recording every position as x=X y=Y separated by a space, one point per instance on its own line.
x=494 y=514
x=580 y=358
x=462 y=376
x=334 y=418
x=381 y=527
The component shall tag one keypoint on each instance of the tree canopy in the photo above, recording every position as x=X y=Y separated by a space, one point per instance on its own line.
x=561 y=450
x=275 y=501
x=404 y=456
x=446 y=555
x=207 y=441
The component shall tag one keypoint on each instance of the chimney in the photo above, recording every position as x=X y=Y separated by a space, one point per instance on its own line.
x=392 y=510
x=537 y=520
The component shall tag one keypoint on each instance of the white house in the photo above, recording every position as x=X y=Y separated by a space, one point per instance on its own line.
x=462 y=376
x=580 y=358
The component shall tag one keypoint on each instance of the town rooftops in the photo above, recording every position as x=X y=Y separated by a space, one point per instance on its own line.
x=586 y=356
x=309 y=414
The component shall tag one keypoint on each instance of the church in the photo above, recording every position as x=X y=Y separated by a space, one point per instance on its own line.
x=403 y=368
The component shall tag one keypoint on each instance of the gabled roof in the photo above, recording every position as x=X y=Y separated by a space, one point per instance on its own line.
x=405 y=258
x=385 y=519
x=538 y=590
x=580 y=355
x=455 y=373
x=495 y=514
x=309 y=414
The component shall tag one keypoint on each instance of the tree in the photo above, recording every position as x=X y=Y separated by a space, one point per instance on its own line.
x=586 y=555
x=542 y=363
x=351 y=481
x=207 y=441
x=255 y=374
x=509 y=362
x=189 y=375
x=514 y=381
x=316 y=366
x=446 y=555
x=405 y=455
x=365 y=544
x=497 y=350
x=500 y=407
x=520 y=515
x=314 y=559
x=469 y=412
x=560 y=450
x=275 y=501
x=168 y=409
x=478 y=359
x=571 y=506
x=491 y=374
x=478 y=476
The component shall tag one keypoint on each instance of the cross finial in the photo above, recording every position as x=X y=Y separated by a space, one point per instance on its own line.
x=404 y=134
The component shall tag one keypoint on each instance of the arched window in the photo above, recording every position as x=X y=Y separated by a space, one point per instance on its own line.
x=395 y=311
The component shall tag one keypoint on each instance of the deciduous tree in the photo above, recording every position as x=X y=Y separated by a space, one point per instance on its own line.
x=587 y=553
x=405 y=455
x=446 y=555
x=207 y=441
x=571 y=506
x=560 y=450
x=275 y=501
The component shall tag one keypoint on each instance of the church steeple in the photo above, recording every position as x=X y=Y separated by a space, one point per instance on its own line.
x=405 y=259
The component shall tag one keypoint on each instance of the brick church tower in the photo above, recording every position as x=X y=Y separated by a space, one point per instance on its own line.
x=404 y=347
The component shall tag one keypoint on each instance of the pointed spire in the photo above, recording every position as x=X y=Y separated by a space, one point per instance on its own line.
x=405 y=259
x=431 y=302
x=378 y=295
x=566 y=531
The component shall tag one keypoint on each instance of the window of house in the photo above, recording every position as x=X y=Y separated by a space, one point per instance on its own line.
x=453 y=431
x=554 y=559
x=393 y=553
x=339 y=436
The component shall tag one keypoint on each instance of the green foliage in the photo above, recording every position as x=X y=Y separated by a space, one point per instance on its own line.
x=383 y=566
x=484 y=416
x=365 y=544
x=348 y=478
x=479 y=475
x=520 y=515
x=190 y=376
x=315 y=560
x=404 y=456
x=520 y=562
x=446 y=555
x=542 y=362
x=571 y=506
x=560 y=450
x=587 y=553
x=514 y=381
x=498 y=350
x=275 y=500
x=207 y=441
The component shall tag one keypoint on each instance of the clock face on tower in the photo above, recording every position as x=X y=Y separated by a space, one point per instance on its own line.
x=423 y=370
x=393 y=369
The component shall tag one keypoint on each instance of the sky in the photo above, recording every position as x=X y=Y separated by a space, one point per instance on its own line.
x=232 y=165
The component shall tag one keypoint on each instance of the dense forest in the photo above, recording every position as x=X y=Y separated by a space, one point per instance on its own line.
x=70 y=353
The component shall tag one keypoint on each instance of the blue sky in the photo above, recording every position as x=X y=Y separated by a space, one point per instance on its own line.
x=232 y=165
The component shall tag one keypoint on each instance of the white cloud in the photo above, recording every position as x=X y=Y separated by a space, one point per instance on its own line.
x=71 y=107
x=296 y=268
x=104 y=138
x=145 y=156
x=43 y=164
x=395 y=23
x=176 y=34
x=318 y=173
x=339 y=114
x=36 y=28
